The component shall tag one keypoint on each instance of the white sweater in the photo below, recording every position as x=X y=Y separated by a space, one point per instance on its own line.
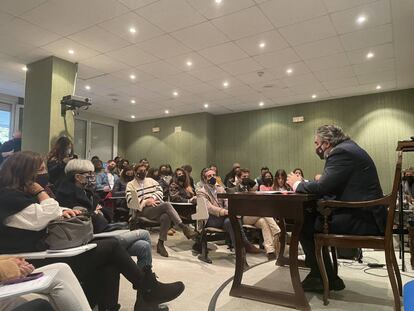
x=137 y=193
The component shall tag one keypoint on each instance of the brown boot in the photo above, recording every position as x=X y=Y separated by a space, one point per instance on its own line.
x=251 y=249
x=188 y=232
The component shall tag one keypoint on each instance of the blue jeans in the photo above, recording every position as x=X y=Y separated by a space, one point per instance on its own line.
x=137 y=243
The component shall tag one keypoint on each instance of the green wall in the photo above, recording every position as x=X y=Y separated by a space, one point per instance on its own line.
x=268 y=136
x=193 y=145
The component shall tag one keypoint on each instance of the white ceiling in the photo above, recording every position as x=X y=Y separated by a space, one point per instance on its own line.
x=319 y=40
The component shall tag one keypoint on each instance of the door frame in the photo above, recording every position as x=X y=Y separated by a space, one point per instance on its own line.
x=89 y=136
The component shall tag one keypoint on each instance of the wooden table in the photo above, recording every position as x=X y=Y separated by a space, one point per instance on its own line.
x=282 y=206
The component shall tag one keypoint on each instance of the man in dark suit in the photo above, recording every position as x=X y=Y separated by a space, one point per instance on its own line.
x=349 y=175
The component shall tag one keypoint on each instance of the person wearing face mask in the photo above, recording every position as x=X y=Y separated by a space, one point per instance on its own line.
x=145 y=198
x=268 y=226
x=259 y=179
x=164 y=180
x=267 y=182
x=180 y=189
x=349 y=175
x=218 y=209
x=58 y=157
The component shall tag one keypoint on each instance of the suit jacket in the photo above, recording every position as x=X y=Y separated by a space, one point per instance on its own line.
x=350 y=175
x=214 y=204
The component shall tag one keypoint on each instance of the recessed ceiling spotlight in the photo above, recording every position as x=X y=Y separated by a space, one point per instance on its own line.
x=289 y=71
x=218 y=1
x=378 y=87
x=87 y=87
x=132 y=30
x=361 y=19
x=225 y=83
x=189 y=63
x=166 y=111
x=132 y=101
x=314 y=96
x=206 y=105
x=370 y=55
x=132 y=77
x=262 y=45
x=24 y=68
x=71 y=51
x=132 y=117
x=261 y=104
x=175 y=93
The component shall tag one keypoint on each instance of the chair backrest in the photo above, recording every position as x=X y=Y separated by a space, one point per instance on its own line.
x=392 y=197
x=201 y=210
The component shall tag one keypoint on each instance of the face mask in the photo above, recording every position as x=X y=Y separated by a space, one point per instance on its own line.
x=129 y=178
x=140 y=175
x=181 y=178
x=410 y=179
x=42 y=179
x=245 y=181
x=320 y=152
x=268 y=181
x=163 y=172
x=212 y=181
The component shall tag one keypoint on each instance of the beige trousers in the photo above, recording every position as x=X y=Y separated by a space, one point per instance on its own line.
x=269 y=229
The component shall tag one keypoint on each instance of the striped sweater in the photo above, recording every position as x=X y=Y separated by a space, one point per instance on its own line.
x=137 y=193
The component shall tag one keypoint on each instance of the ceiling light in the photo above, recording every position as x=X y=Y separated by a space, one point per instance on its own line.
x=132 y=30
x=132 y=117
x=71 y=51
x=225 y=83
x=314 y=96
x=361 y=19
x=206 y=105
x=24 y=68
x=370 y=55
x=132 y=101
x=261 y=104
x=132 y=77
x=87 y=87
x=218 y=1
x=378 y=87
x=175 y=93
x=262 y=45
x=189 y=63
x=289 y=71
x=166 y=111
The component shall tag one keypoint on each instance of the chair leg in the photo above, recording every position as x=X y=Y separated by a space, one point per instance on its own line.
x=390 y=269
x=396 y=270
x=322 y=270
x=334 y=260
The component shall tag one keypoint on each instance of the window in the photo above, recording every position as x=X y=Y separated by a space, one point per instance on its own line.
x=5 y=122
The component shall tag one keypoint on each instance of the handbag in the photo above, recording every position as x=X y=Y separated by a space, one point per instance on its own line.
x=71 y=232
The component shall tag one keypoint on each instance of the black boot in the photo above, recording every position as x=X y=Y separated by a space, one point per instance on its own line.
x=156 y=292
x=161 y=249
x=141 y=305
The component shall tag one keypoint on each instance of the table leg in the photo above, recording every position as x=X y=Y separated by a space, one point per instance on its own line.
x=240 y=255
x=301 y=301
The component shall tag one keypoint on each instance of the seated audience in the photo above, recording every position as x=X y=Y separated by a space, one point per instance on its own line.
x=145 y=197
x=164 y=179
x=229 y=180
x=180 y=188
x=120 y=184
x=145 y=162
x=349 y=175
x=269 y=227
x=217 y=208
x=259 y=179
x=11 y=146
x=58 y=157
x=64 y=293
x=188 y=168
x=105 y=179
x=110 y=170
x=25 y=211
x=153 y=173
x=78 y=191
x=298 y=171
x=218 y=178
x=280 y=183
x=267 y=182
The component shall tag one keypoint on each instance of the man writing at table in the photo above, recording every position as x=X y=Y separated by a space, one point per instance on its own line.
x=349 y=175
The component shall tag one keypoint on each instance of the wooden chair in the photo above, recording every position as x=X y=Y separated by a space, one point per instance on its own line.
x=325 y=239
